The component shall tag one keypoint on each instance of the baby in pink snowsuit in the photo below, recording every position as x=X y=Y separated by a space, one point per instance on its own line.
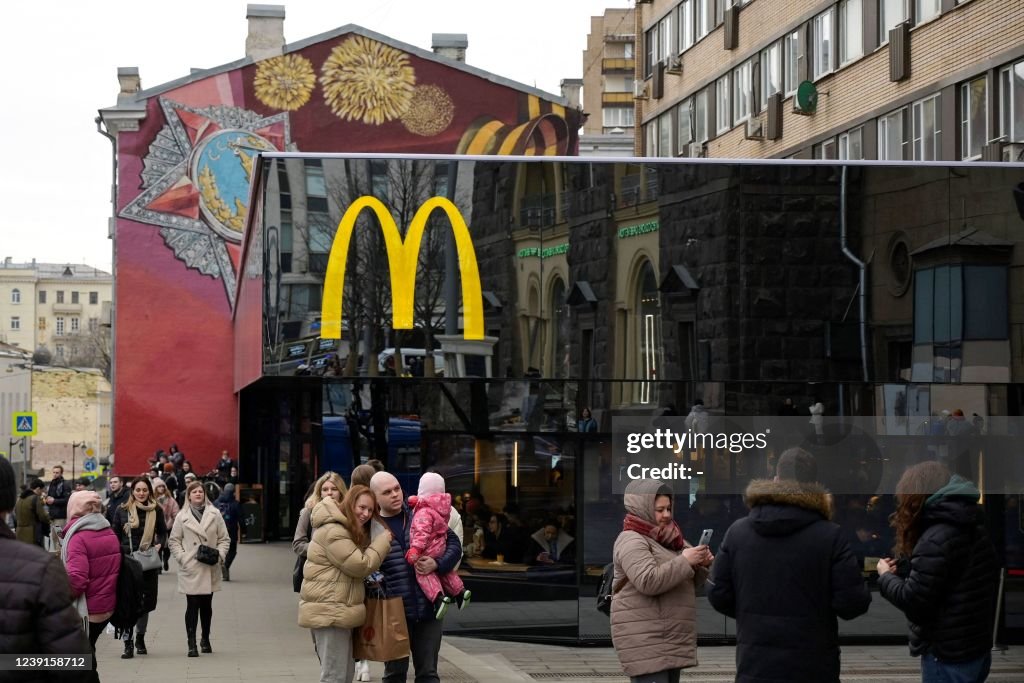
x=428 y=536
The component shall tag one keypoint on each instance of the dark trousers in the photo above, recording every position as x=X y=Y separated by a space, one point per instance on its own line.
x=425 y=644
x=667 y=676
x=232 y=551
x=94 y=634
x=198 y=608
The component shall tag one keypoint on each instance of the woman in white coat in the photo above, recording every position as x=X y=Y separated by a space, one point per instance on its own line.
x=198 y=523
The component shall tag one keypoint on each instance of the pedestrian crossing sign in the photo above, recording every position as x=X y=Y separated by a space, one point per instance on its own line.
x=25 y=424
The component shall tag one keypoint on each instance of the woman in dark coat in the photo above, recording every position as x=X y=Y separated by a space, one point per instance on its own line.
x=31 y=515
x=946 y=577
x=141 y=520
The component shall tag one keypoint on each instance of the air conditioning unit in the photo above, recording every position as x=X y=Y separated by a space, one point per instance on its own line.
x=639 y=89
x=1013 y=151
x=695 y=150
x=674 y=65
x=754 y=129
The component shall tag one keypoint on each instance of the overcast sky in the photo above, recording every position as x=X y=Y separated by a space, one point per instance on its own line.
x=61 y=58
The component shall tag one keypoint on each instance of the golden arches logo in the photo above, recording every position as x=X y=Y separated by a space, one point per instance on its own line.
x=403 y=257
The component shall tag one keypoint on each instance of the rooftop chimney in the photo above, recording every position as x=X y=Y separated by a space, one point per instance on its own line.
x=571 y=88
x=266 y=31
x=128 y=79
x=450 y=45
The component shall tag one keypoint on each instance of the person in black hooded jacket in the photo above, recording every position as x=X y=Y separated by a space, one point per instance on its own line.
x=785 y=573
x=946 y=579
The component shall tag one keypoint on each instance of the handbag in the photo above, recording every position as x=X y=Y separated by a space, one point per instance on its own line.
x=300 y=562
x=149 y=559
x=384 y=636
x=207 y=555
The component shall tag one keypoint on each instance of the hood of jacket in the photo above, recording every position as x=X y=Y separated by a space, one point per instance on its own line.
x=94 y=521
x=26 y=493
x=441 y=503
x=325 y=512
x=638 y=498
x=955 y=503
x=781 y=508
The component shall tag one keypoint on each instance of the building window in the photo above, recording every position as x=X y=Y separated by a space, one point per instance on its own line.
x=891 y=13
x=771 y=72
x=42 y=323
x=94 y=324
x=973 y=117
x=15 y=323
x=824 y=53
x=627 y=50
x=1011 y=102
x=74 y=297
x=651 y=139
x=60 y=296
x=74 y=325
x=665 y=39
x=60 y=325
x=891 y=136
x=666 y=148
x=851 y=144
x=743 y=92
x=651 y=45
x=851 y=31
x=648 y=327
x=617 y=117
x=700 y=109
x=94 y=298
x=825 y=149
x=956 y=303
x=705 y=17
x=686 y=25
x=926 y=9
x=42 y=296
x=15 y=296
x=927 y=131
x=59 y=352
x=791 y=57
x=723 y=113
x=561 y=331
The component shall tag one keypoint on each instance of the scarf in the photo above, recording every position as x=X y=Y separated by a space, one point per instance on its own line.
x=668 y=536
x=197 y=512
x=133 y=506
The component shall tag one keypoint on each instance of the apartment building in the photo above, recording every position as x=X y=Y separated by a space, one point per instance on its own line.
x=52 y=305
x=609 y=67
x=850 y=79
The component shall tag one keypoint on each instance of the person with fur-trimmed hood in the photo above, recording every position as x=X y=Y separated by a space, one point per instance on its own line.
x=785 y=572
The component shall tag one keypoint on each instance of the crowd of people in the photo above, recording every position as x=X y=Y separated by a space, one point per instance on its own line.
x=103 y=563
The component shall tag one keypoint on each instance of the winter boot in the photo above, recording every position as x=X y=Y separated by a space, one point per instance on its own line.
x=140 y=644
x=192 y=650
x=225 y=572
x=463 y=598
x=204 y=644
x=441 y=606
x=129 y=650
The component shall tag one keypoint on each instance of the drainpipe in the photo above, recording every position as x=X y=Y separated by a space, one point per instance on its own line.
x=113 y=268
x=862 y=286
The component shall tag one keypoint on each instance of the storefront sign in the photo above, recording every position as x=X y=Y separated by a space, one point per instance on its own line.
x=546 y=252
x=642 y=229
x=403 y=256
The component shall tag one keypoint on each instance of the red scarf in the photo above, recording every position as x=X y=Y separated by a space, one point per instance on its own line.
x=668 y=536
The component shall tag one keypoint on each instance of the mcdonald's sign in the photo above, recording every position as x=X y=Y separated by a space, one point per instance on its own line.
x=403 y=256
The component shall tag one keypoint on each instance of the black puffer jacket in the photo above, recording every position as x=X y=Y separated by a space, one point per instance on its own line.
x=400 y=576
x=785 y=572
x=948 y=590
x=36 y=612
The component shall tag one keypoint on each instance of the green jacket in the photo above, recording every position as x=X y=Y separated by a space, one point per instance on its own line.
x=30 y=515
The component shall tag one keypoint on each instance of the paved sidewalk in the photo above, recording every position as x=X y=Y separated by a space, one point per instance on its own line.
x=256 y=638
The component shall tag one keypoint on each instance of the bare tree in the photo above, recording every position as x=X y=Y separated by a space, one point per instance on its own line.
x=90 y=348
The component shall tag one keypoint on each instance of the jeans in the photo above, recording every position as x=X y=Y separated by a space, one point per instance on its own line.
x=971 y=671
x=334 y=648
x=425 y=644
x=666 y=676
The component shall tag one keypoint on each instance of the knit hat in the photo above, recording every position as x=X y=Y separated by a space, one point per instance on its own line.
x=431 y=482
x=158 y=482
x=8 y=486
x=82 y=503
x=190 y=476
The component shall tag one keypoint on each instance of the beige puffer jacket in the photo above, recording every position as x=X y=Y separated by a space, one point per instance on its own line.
x=654 y=615
x=332 y=579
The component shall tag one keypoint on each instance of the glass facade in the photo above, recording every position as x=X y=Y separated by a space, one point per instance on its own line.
x=541 y=288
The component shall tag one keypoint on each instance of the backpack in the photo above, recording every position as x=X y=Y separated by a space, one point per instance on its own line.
x=130 y=604
x=608 y=588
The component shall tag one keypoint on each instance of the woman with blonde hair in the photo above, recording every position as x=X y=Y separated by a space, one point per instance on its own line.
x=945 y=577
x=170 y=508
x=199 y=543
x=329 y=484
x=139 y=525
x=340 y=556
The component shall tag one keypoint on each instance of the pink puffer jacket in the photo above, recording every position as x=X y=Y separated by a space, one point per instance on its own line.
x=94 y=561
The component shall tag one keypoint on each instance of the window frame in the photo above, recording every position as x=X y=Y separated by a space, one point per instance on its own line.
x=15 y=323
x=843 y=21
x=94 y=298
x=966 y=120
x=843 y=144
x=42 y=296
x=1009 y=117
x=883 y=136
x=15 y=296
x=817 y=32
x=765 y=57
x=687 y=28
x=723 y=107
x=885 y=26
x=919 y=17
x=58 y=327
x=790 y=62
x=76 y=324
x=916 y=135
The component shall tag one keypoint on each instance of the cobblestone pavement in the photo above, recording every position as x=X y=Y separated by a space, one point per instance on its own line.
x=255 y=638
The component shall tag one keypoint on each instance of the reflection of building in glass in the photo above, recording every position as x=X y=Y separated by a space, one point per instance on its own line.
x=634 y=289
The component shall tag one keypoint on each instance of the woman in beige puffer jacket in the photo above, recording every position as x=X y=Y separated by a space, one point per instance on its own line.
x=654 y=612
x=339 y=557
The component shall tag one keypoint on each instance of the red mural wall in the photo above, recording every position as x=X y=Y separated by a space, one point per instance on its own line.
x=183 y=198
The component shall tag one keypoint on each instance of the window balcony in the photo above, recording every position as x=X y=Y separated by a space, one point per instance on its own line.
x=67 y=308
x=616 y=98
x=618 y=65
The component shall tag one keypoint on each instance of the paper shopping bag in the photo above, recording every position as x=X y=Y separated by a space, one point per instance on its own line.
x=384 y=636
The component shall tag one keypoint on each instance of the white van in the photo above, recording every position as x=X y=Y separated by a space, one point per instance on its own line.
x=385 y=356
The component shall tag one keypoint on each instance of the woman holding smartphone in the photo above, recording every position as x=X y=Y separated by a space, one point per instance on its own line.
x=654 y=611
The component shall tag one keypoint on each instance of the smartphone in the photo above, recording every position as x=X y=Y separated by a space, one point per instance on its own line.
x=705 y=537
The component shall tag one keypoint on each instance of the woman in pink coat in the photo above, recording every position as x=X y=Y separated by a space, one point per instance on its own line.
x=92 y=557
x=428 y=535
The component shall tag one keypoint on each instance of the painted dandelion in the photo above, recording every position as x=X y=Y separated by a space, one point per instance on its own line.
x=364 y=80
x=284 y=82
x=430 y=111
